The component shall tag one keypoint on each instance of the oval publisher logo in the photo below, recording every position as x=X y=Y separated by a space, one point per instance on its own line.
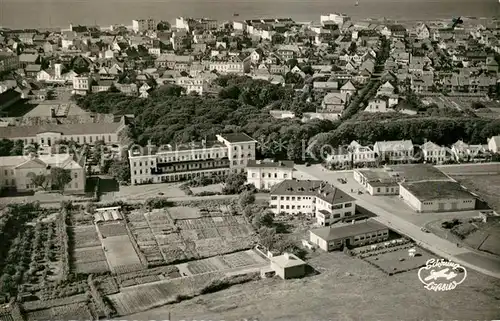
x=441 y=275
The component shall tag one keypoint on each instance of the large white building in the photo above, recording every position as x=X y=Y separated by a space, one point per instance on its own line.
x=433 y=153
x=198 y=85
x=494 y=144
x=338 y=18
x=317 y=198
x=50 y=134
x=264 y=174
x=354 y=154
x=437 y=196
x=141 y=25
x=230 y=153
x=82 y=84
x=396 y=151
x=17 y=172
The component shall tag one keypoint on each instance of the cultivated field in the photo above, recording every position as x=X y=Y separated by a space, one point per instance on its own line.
x=184 y=212
x=76 y=311
x=88 y=255
x=361 y=292
x=120 y=254
x=90 y=260
x=238 y=260
x=143 y=297
x=182 y=233
x=486 y=186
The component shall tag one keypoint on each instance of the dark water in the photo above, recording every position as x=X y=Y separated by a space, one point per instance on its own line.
x=59 y=13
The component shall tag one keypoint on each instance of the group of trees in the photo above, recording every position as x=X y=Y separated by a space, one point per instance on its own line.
x=56 y=179
x=243 y=106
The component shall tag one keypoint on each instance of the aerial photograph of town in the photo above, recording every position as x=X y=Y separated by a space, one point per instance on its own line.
x=249 y=160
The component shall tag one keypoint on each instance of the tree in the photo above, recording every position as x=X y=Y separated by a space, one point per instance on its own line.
x=277 y=39
x=292 y=63
x=234 y=184
x=6 y=146
x=246 y=198
x=261 y=219
x=60 y=177
x=163 y=25
x=120 y=170
x=267 y=236
x=40 y=180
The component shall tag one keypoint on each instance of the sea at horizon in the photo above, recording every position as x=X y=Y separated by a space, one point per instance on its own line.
x=60 y=13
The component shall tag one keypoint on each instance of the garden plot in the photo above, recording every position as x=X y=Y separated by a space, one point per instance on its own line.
x=218 y=246
x=89 y=254
x=112 y=229
x=397 y=260
x=144 y=297
x=75 y=311
x=120 y=254
x=90 y=260
x=239 y=260
x=86 y=236
x=184 y=212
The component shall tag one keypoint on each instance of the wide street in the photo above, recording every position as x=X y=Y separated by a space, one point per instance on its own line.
x=393 y=212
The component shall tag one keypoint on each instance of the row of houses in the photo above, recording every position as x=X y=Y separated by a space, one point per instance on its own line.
x=405 y=151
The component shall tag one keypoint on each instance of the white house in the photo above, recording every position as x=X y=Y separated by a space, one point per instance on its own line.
x=322 y=200
x=433 y=153
x=377 y=105
x=494 y=144
x=394 y=151
x=264 y=174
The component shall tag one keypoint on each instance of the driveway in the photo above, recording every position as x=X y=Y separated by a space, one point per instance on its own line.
x=394 y=213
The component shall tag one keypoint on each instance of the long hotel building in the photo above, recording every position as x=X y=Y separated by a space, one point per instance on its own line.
x=230 y=153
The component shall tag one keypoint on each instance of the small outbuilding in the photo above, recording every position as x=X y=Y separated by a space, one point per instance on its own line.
x=288 y=266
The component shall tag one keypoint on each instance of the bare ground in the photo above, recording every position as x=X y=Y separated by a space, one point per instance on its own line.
x=346 y=289
x=486 y=186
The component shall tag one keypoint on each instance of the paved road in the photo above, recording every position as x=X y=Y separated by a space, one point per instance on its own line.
x=394 y=213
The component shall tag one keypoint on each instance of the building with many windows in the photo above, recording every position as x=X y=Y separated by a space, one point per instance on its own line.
x=322 y=200
x=264 y=174
x=352 y=235
x=396 y=151
x=230 y=153
x=141 y=25
x=17 y=172
x=50 y=134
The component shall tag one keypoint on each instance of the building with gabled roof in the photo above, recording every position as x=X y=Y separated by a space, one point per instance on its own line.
x=313 y=197
x=17 y=172
x=349 y=235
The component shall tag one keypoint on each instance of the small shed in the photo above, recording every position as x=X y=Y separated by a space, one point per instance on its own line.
x=288 y=266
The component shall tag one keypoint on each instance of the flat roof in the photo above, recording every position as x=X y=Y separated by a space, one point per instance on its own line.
x=237 y=138
x=368 y=226
x=408 y=172
x=324 y=191
x=436 y=190
x=270 y=164
x=287 y=260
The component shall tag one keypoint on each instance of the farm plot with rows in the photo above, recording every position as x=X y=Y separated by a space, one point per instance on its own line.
x=76 y=311
x=112 y=229
x=90 y=260
x=144 y=297
x=86 y=236
x=239 y=260
x=184 y=212
x=145 y=238
x=121 y=255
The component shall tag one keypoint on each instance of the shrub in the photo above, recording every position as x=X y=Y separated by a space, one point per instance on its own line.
x=157 y=202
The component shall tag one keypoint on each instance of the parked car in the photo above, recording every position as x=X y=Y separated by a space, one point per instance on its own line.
x=423 y=229
x=308 y=164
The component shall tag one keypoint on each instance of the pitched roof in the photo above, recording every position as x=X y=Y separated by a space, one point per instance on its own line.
x=324 y=191
x=13 y=132
x=365 y=227
x=348 y=86
x=394 y=145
